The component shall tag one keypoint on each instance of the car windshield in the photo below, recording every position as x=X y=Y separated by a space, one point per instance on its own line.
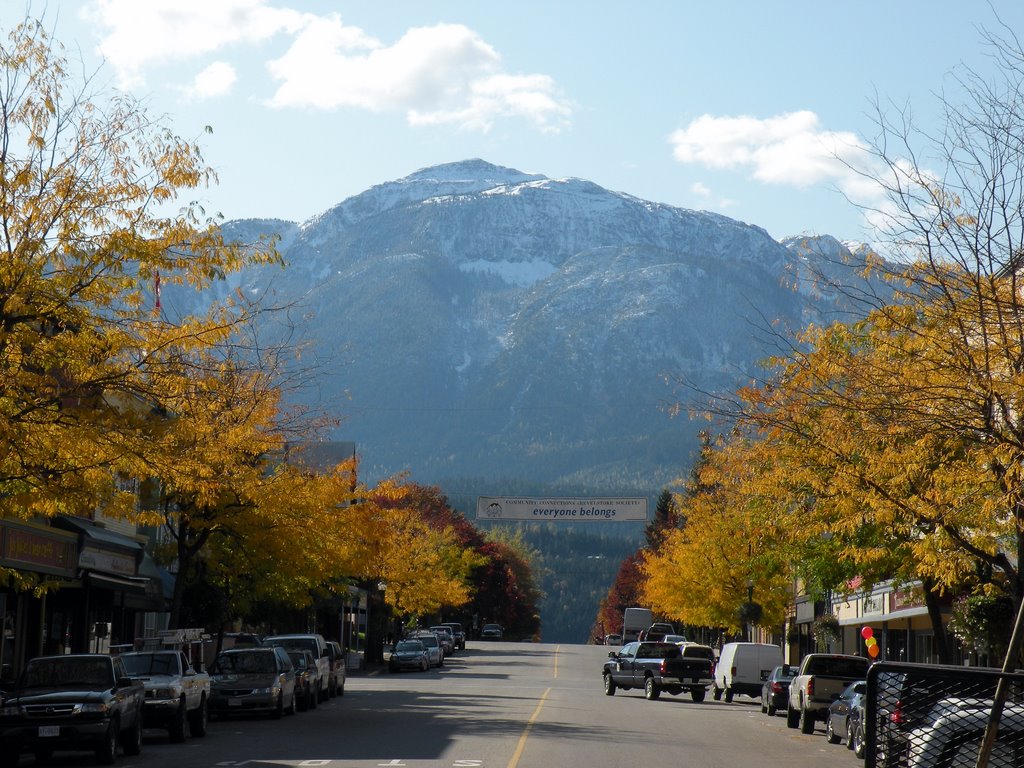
x=301 y=643
x=430 y=642
x=63 y=673
x=658 y=651
x=298 y=659
x=244 y=663
x=409 y=646
x=159 y=663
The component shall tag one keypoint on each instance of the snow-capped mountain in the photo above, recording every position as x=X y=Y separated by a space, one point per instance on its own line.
x=473 y=321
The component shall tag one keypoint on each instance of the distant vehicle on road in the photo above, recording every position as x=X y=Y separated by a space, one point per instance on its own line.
x=635 y=621
x=491 y=632
x=458 y=632
x=409 y=654
x=775 y=690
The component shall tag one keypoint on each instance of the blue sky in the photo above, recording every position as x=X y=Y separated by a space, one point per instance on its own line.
x=733 y=107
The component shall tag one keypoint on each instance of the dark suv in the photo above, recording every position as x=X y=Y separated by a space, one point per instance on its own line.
x=458 y=632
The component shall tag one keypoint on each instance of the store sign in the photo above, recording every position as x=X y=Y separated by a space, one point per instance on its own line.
x=570 y=510
x=37 y=551
x=106 y=562
x=874 y=604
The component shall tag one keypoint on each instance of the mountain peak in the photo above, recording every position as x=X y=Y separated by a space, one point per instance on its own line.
x=473 y=171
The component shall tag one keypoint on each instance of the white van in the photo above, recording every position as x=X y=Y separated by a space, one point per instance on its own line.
x=743 y=668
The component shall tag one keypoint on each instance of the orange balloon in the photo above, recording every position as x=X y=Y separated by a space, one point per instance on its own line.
x=873 y=650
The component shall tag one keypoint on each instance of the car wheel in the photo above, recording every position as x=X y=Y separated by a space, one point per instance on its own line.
x=849 y=734
x=176 y=729
x=728 y=695
x=716 y=693
x=792 y=717
x=697 y=694
x=199 y=718
x=609 y=685
x=314 y=698
x=133 y=743
x=772 y=710
x=341 y=687
x=764 y=707
x=858 y=742
x=806 y=721
x=294 y=708
x=106 y=752
x=278 y=712
x=830 y=732
x=651 y=689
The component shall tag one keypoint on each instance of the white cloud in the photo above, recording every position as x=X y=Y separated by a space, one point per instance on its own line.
x=791 y=149
x=216 y=80
x=700 y=189
x=440 y=75
x=141 y=33
x=445 y=74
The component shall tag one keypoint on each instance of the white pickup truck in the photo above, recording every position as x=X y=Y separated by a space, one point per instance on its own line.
x=176 y=694
x=820 y=680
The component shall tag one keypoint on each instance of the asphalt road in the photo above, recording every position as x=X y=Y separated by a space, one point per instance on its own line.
x=497 y=705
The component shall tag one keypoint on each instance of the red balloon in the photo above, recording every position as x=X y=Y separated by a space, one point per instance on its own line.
x=866 y=632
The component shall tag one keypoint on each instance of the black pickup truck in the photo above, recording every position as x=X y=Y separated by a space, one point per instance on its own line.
x=72 y=702
x=656 y=667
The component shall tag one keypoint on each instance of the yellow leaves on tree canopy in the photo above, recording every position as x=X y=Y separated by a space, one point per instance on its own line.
x=86 y=180
x=701 y=573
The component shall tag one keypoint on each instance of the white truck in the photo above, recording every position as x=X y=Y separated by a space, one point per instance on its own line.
x=820 y=680
x=635 y=621
x=176 y=694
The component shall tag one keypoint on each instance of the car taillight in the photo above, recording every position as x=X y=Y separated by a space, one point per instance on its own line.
x=896 y=717
x=777 y=687
x=810 y=686
x=664 y=666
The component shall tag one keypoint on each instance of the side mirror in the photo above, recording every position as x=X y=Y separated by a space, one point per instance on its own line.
x=613 y=655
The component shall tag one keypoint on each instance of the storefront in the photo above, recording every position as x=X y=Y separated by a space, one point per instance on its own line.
x=898 y=619
x=51 y=557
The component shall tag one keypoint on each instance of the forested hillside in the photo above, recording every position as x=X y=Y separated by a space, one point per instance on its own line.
x=575 y=568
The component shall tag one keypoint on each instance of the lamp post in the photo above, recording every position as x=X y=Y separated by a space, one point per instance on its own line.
x=750 y=602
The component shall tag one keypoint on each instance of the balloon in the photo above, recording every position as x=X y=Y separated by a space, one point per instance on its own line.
x=866 y=632
x=871 y=642
x=873 y=650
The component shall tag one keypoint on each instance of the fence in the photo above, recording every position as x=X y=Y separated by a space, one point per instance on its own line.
x=932 y=716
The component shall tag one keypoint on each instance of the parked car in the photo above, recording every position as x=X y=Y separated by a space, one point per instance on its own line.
x=458 y=632
x=837 y=721
x=246 y=680
x=677 y=639
x=491 y=632
x=433 y=645
x=307 y=678
x=316 y=645
x=444 y=634
x=743 y=668
x=73 y=702
x=177 y=696
x=952 y=732
x=775 y=690
x=613 y=639
x=856 y=719
x=338 y=668
x=409 y=654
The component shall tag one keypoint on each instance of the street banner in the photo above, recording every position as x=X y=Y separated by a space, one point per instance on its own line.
x=576 y=510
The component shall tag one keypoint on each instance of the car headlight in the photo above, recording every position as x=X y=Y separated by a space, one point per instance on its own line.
x=10 y=710
x=99 y=706
x=166 y=693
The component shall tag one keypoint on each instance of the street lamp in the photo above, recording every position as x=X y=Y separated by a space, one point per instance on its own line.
x=750 y=601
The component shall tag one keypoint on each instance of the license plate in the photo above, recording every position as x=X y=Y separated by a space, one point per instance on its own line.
x=234 y=702
x=49 y=731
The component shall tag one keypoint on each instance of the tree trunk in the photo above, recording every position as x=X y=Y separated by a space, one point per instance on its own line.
x=931 y=601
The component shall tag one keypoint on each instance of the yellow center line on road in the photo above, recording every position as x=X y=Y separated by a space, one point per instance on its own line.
x=529 y=725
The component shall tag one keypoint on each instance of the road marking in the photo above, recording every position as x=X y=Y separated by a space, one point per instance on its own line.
x=529 y=726
x=557 y=648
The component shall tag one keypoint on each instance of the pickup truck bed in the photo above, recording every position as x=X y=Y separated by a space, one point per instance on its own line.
x=656 y=667
x=819 y=681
